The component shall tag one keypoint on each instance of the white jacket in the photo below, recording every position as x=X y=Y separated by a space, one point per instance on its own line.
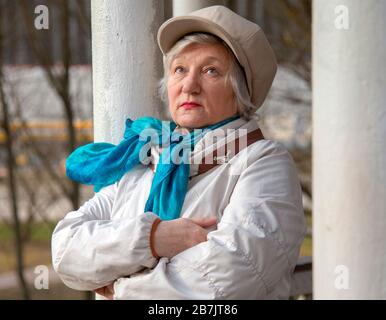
x=251 y=254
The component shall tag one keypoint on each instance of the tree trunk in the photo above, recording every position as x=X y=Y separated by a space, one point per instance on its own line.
x=11 y=179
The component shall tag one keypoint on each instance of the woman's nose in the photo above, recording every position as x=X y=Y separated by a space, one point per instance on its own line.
x=191 y=83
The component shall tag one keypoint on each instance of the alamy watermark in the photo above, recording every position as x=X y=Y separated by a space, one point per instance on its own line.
x=342 y=19
x=342 y=277
x=220 y=146
x=42 y=20
x=42 y=277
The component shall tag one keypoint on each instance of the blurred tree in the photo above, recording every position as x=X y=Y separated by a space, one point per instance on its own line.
x=11 y=167
x=70 y=12
x=54 y=50
x=288 y=25
x=59 y=81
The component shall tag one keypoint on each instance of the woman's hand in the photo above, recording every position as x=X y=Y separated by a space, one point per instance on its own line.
x=174 y=236
x=106 y=291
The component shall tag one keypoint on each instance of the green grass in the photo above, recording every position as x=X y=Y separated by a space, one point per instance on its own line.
x=6 y=233
x=36 y=232
x=41 y=232
x=36 y=249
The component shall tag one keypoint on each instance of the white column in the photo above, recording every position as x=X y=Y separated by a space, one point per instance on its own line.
x=182 y=7
x=126 y=63
x=349 y=149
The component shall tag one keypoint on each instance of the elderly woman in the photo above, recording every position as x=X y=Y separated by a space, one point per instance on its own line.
x=222 y=221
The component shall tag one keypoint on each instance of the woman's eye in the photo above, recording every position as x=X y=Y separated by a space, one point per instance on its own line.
x=211 y=71
x=178 y=69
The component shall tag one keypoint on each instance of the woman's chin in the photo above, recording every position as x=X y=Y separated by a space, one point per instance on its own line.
x=191 y=121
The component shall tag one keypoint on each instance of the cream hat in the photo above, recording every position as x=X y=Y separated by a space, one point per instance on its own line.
x=245 y=38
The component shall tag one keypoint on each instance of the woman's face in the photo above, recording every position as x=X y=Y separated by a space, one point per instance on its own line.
x=197 y=91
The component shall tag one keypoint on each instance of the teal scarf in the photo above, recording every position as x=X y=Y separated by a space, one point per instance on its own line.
x=102 y=164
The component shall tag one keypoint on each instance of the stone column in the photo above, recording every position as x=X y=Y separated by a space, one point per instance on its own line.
x=349 y=149
x=126 y=62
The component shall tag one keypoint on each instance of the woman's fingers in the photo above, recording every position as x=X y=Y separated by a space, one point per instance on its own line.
x=198 y=233
x=100 y=291
x=205 y=222
x=106 y=291
x=175 y=236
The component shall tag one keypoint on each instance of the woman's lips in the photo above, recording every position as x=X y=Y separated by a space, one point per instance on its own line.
x=190 y=105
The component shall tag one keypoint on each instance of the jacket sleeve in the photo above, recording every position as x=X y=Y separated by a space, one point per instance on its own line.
x=255 y=247
x=89 y=250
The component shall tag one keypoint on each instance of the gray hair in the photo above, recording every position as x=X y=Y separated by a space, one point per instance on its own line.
x=245 y=107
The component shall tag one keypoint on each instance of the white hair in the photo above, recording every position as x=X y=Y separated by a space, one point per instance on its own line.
x=235 y=76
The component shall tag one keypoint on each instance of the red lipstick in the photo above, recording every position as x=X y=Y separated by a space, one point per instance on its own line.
x=190 y=105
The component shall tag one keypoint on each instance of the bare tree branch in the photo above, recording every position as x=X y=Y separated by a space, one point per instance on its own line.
x=11 y=178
